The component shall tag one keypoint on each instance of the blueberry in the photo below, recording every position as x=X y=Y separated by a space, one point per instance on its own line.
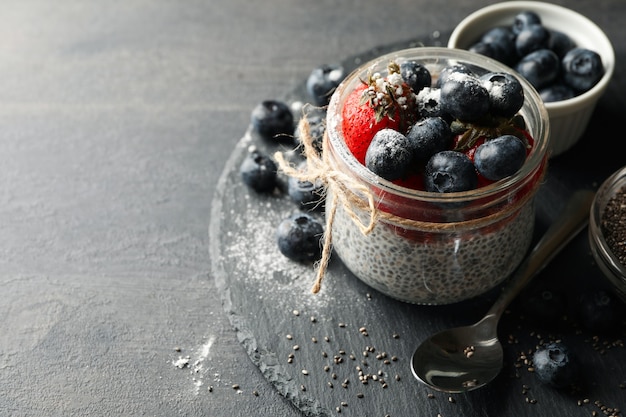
x=506 y=95
x=258 y=171
x=273 y=119
x=500 y=157
x=415 y=75
x=524 y=19
x=495 y=51
x=450 y=171
x=582 y=69
x=532 y=38
x=298 y=237
x=305 y=193
x=452 y=69
x=323 y=81
x=484 y=48
x=429 y=136
x=600 y=310
x=555 y=365
x=429 y=103
x=540 y=68
x=556 y=92
x=389 y=155
x=499 y=34
x=464 y=97
x=501 y=41
x=560 y=43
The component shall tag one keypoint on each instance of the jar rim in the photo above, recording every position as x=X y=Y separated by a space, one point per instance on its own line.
x=440 y=56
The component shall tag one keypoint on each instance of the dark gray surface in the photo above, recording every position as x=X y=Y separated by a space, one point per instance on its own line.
x=116 y=121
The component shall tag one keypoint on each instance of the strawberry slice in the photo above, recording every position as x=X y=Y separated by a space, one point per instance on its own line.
x=379 y=102
x=360 y=125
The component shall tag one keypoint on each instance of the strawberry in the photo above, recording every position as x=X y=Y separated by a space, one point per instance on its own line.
x=378 y=103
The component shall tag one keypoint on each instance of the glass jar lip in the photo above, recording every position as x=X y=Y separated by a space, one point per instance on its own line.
x=605 y=192
x=435 y=55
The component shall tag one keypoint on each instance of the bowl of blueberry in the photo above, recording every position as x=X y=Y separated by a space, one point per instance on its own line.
x=565 y=56
x=607 y=230
x=432 y=158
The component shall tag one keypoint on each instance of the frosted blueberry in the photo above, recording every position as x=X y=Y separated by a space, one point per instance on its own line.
x=555 y=365
x=415 y=75
x=390 y=154
x=506 y=95
x=429 y=136
x=464 y=97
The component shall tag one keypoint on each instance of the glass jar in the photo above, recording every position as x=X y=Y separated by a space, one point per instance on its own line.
x=608 y=263
x=425 y=247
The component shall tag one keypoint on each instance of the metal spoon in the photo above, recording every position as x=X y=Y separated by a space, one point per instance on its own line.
x=466 y=358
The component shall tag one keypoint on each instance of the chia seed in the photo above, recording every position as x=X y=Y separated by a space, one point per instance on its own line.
x=431 y=267
x=613 y=224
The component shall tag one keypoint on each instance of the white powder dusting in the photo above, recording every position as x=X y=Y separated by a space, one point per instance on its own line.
x=196 y=362
x=273 y=275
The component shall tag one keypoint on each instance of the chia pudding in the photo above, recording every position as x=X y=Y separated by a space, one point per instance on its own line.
x=425 y=247
x=434 y=268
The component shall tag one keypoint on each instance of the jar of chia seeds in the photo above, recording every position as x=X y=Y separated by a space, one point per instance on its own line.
x=424 y=247
x=607 y=233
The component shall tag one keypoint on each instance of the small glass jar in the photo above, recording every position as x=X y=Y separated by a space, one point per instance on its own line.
x=425 y=247
x=607 y=261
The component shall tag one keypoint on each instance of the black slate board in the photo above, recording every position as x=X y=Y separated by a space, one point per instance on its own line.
x=311 y=347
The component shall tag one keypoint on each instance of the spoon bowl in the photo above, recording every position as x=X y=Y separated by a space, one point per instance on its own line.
x=468 y=357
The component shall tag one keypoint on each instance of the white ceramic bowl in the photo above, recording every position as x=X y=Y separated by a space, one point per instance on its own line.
x=568 y=118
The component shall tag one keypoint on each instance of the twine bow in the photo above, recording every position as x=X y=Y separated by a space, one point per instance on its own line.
x=344 y=190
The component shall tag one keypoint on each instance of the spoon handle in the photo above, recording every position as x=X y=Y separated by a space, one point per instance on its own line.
x=568 y=224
